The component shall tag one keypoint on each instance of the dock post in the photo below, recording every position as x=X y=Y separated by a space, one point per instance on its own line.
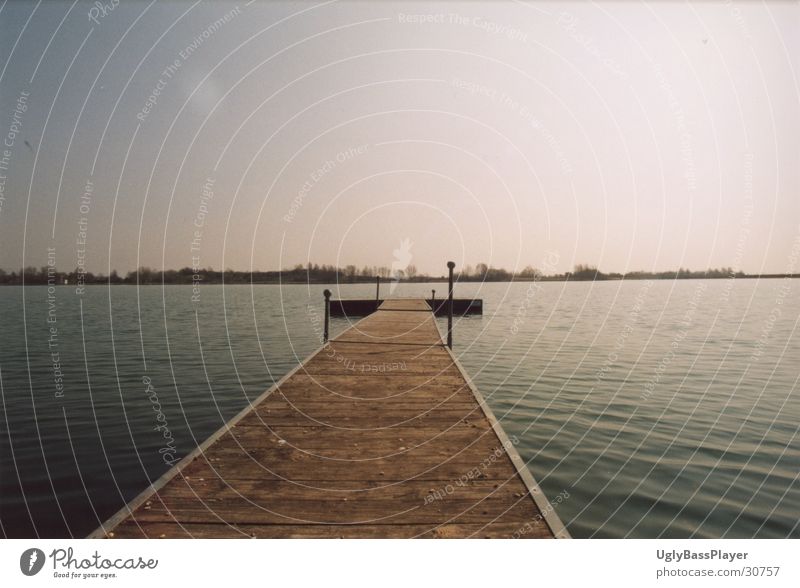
x=327 y=294
x=377 y=291
x=450 y=266
x=433 y=302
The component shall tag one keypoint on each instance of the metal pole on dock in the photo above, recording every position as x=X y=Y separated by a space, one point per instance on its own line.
x=327 y=294
x=450 y=265
x=377 y=289
x=433 y=302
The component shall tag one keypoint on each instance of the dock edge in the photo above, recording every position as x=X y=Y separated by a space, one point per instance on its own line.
x=537 y=494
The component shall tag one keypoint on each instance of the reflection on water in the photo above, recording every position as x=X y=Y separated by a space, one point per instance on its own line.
x=664 y=408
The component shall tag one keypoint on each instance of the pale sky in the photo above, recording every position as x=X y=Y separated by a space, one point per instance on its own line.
x=620 y=134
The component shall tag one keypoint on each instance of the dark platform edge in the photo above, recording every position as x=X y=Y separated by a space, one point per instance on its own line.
x=363 y=307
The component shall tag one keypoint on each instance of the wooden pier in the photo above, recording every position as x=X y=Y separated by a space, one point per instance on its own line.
x=380 y=433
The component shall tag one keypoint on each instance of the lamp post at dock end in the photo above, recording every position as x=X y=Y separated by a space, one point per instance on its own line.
x=327 y=294
x=450 y=266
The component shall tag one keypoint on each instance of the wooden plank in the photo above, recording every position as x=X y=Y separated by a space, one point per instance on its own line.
x=300 y=467
x=354 y=415
x=130 y=530
x=401 y=304
x=275 y=502
x=378 y=434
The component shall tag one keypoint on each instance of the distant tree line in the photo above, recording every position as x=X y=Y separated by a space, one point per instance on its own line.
x=329 y=274
x=585 y=272
x=313 y=273
x=591 y=273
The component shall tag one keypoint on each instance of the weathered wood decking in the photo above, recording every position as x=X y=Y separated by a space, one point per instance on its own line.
x=378 y=434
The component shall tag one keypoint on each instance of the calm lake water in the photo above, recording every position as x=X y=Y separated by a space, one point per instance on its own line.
x=665 y=409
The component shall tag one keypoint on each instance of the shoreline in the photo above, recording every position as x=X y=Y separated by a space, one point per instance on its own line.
x=425 y=281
